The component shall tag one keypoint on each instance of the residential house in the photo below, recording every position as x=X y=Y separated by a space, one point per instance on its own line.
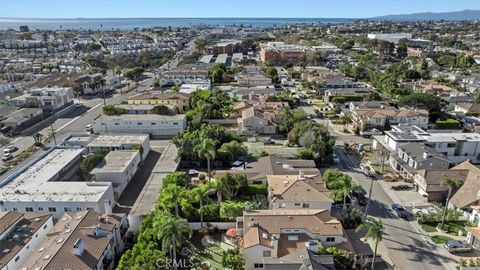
x=363 y=105
x=178 y=100
x=82 y=240
x=415 y=156
x=253 y=80
x=50 y=99
x=467 y=108
x=466 y=196
x=382 y=118
x=258 y=171
x=430 y=182
x=298 y=192
x=245 y=92
x=90 y=84
x=256 y=121
x=273 y=238
x=20 y=236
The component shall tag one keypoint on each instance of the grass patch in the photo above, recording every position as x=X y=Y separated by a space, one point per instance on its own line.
x=428 y=227
x=440 y=239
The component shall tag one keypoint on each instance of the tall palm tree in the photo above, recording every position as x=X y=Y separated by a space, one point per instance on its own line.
x=206 y=149
x=171 y=193
x=342 y=188
x=201 y=194
x=451 y=183
x=374 y=228
x=171 y=232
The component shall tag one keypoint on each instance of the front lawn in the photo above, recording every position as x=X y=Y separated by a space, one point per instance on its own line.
x=440 y=239
x=428 y=227
x=211 y=255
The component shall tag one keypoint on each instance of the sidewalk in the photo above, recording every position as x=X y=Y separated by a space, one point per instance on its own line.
x=407 y=198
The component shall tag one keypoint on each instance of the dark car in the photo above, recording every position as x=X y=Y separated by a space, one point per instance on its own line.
x=361 y=199
x=454 y=246
x=401 y=212
x=6 y=129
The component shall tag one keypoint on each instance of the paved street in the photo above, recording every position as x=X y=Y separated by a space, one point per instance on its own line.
x=403 y=244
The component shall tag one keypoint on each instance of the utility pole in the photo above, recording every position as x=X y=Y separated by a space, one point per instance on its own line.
x=53 y=134
x=369 y=197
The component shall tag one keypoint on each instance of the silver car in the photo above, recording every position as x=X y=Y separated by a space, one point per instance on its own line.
x=454 y=246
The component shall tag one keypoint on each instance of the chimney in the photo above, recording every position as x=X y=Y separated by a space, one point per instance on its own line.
x=78 y=247
x=250 y=95
x=275 y=245
x=301 y=174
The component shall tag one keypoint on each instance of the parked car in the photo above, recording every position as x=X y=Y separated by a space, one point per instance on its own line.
x=6 y=129
x=401 y=212
x=10 y=149
x=89 y=127
x=335 y=158
x=7 y=156
x=268 y=141
x=454 y=246
x=361 y=199
x=78 y=105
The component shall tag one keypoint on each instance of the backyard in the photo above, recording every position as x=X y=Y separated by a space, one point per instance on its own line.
x=207 y=254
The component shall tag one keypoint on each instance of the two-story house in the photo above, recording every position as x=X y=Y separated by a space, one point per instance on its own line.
x=270 y=237
x=255 y=121
x=414 y=156
x=298 y=192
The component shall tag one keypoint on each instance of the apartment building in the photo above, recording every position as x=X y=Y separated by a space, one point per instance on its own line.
x=83 y=240
x=44 y=187
x=119 y=142
x=279 y=53
x=189 y=74
x=118 y=167
x=159 y=126
x=20 y=236
x=23 y=118
x=179 y=101
x=51 y=99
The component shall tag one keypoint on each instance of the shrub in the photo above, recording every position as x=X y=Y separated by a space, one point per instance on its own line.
x=230 y=210
x=254 y=189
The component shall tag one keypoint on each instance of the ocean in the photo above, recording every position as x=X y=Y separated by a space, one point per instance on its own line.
x=131 y=23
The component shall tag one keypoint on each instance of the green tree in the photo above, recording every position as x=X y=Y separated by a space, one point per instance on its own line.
x=451 y=183
x=113 y=110
x=230 y=210
x=402 y=50
x=289 y=117
x=233 y=150
x=201 y=194
x=175 y=178
x=272 y=72
x=170 y=195
x=427 y=101
x=161 y=110
x=374 y=228
x=233 y=259
x=230 y=184
x=342 y=259
x=206 y=149
x=88 y=163
x=172 y=232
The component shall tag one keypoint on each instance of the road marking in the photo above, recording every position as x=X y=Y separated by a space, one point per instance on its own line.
x=69 y=122
x=93 y=108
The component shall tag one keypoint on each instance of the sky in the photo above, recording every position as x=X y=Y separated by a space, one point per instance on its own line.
x=225 y=8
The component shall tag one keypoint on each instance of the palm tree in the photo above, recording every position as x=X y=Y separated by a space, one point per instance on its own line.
x=201 y=194
x=374 y=228
x=171 y=232
x=171 y=193
x=342 y=188
x=451 y=183
x=206 y=149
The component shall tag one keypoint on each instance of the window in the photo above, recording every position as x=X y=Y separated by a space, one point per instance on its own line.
x=40 y=208
x=139 y=123
x=67 y=209
x=117 y=124
x=153 y=123
x=282 y=205
x=17 y=258
x=175 y=124
x=451 y=145
x=292 y=237
x=297 y=204
x=89 y=208
x=14 y=209
x=330 y=239
x=258 y=265
x=52 y=209
x=267 y=253
x=306 y=205
x=79 y=208
x=28 y=209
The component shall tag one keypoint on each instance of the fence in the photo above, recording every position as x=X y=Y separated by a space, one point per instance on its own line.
x=218 y=225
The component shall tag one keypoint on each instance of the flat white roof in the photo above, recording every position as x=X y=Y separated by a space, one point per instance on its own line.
x=34 y=184
x=442 y=137
x=116 y=161
x=117 y=140
x=142 y=117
